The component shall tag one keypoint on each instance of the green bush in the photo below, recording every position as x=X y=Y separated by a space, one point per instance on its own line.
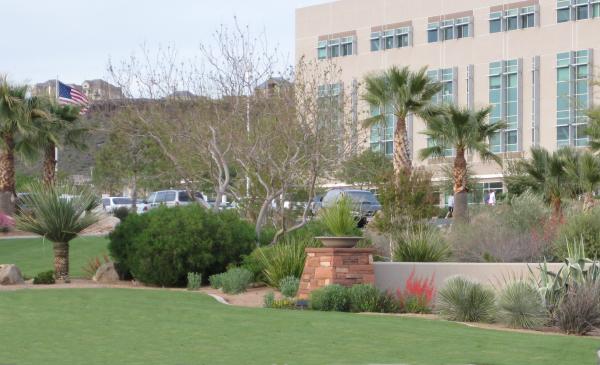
x=44 y=277
x=466 y=301
x=121 y=213
x=284 y=259
x=364 y=298
x=330 y=298
x=163 y=245
x=268 y=300
x=580 y=226
x=579 y=311
x=309 y=231
x=266 y=236
x=289 y=286
x=216 y=281
x=194 y=281
x=521 y=306
x=236 y=280
x=422 y=243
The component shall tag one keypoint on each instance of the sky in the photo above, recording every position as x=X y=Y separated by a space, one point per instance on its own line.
x=74 y=39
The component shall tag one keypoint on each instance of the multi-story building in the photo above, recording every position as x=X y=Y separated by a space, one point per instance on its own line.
x=532 y=61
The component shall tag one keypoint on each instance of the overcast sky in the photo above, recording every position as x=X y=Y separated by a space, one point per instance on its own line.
x=73 y=39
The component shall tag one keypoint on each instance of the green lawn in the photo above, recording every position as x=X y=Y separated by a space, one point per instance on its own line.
x=127 y=326
x=33 y=255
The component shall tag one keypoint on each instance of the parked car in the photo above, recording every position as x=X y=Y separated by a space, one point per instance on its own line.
x=110 y=203
x=364 y=203
x=172 y=198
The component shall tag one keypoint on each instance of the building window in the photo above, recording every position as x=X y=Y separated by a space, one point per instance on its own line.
x=447 y=78
x=347 y=45
x=382 y=135
x=388 y=39
x=433 y=32
x=527 y=17
x=322 y=50
x=375 y=41
x=449 y=29
x=511 y=19
x=402 y=37
x=572 y=99
x=495 y=22
x=462 y=27
x=504 y=97
x=335 y=48
x=576 y=10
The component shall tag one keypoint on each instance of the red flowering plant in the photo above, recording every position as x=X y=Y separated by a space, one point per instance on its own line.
x=418 y=294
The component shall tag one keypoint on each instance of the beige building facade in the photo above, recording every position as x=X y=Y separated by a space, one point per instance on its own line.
x=533 y=61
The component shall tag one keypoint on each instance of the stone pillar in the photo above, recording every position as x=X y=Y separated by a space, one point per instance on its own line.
x=343 y=266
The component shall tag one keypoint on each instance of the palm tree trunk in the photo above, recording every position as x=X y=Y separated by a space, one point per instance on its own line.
x=61 y=261
x=49 y=165
x=402 y=162
x=588 y=201
x=7 y=175
x=460 y=186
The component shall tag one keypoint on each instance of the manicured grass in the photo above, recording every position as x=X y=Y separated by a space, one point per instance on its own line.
x=128 y=326
x=33 y=255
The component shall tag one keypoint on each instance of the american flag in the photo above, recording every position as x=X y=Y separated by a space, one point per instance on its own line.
x=70 y=95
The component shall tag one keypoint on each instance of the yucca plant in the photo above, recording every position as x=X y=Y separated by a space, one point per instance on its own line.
x=58 y=213
x=466 y=301
x=339 y=219
x=284 y=259
x=521 y=306
x=421 y=244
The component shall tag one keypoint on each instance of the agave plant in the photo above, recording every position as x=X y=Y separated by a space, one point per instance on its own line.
x=521 y=305
x=58 y=213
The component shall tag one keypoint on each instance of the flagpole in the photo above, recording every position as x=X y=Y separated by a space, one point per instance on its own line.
x=56 y=148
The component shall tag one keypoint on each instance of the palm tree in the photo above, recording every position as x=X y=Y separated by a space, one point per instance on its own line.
x=15 y=122
x=399 y=92
x=546 y=173
x=58 y=212
x=585 y=171
x=465 y=130
x=58 y=129
x=593 y=129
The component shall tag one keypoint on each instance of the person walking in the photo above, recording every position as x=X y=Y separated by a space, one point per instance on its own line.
x=450 y=206
x=492 y=198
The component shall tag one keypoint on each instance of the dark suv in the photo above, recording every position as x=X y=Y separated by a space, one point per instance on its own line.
x=365 y=204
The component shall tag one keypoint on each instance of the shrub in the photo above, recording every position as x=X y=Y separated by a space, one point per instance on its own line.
x=268 y=300
x=216 y=281
x=44 y=277
x=121 y=213
x=330 y=298
x=93 y=264
x=194 y=280
x=389 y=303
x=417 y=295
x=579 y=311
x=421 y=244
x=284 y=259
x=163 y=245
x=521 y=306
x=466 y=301
x=236 y=280
x=289 y=286
x=6 y=222
x=266 y=236
x=364 y=298
x=584 y=226
x=339 y=219
x=284 y=303
x=309 y=231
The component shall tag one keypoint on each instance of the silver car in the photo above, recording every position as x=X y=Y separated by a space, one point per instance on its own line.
x=172 y=198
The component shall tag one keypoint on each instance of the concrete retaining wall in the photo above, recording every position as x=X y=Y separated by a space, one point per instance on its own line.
x=393 y=275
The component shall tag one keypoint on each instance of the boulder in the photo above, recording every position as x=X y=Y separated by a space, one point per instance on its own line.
x=10 y=275
x=107 y=273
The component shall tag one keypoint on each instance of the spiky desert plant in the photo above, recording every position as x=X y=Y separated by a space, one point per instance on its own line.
x=58 y=213
x=339 y=219
x=466 y=301
x=521 y=306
